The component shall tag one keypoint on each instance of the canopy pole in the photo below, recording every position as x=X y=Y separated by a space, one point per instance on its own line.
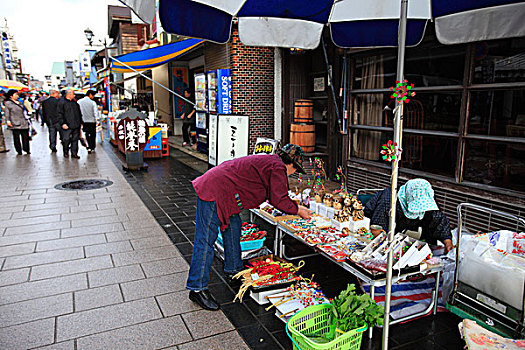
x=153 y=81
x=331 y=83
x=398 y=133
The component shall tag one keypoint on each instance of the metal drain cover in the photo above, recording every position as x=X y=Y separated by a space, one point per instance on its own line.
x=83 y=185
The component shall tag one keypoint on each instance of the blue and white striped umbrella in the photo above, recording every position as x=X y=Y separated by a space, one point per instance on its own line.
x=353 y=23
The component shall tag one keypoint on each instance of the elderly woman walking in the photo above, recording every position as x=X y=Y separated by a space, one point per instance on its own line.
x=17 y=122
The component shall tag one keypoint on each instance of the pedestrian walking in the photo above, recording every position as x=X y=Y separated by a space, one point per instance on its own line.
x=36 y=107
x=70 y=119
x=17 y=121
x=89 y=111
x=41 y=100
x=3 y=148
x=50 y=116
x=188 y=119
x=222 y=192
x=27 y=105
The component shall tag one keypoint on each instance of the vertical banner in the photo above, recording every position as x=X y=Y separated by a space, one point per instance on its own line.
x=6 y=48
x=108 y=94
x=212 y=140
x=224 y=88
x=180 y=82
x=232 y=139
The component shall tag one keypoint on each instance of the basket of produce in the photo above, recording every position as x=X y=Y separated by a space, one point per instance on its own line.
x=251 y=237
x=336 y=326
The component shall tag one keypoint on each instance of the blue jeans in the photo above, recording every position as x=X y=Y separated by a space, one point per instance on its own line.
x=206 y=231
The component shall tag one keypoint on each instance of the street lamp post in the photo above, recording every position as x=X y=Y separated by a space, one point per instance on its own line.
x=89 y=36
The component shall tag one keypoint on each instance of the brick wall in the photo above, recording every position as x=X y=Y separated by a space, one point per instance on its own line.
x=252 y=70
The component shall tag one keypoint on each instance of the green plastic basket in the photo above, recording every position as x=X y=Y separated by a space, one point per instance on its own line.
x=315 y=320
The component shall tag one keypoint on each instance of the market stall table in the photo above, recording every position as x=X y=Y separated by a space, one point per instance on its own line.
x=376 y=282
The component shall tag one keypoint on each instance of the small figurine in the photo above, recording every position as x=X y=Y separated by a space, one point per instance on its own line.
x=328 y=199
x=338 y=202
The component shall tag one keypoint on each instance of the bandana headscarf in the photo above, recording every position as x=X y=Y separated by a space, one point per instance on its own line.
x=416 y=197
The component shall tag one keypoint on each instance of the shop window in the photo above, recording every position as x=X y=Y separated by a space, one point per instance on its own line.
x=499 y=61
x=426 y=65
x=495 y=164
x=497 y=113
x=434 y=154
x=426 y=111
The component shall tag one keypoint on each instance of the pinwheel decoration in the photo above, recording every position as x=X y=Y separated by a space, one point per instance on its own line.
x=389 y=151
x=402 y=91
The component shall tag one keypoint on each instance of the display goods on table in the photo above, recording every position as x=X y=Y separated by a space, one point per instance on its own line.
x=266 y=271
x=251 y=237
x=295 y=298
x=269 y=211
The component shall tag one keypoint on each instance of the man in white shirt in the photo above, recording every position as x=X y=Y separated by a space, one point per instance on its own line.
x=89 y=111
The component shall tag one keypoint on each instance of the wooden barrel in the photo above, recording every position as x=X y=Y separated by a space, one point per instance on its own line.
x=303 y=135
x=303 y=111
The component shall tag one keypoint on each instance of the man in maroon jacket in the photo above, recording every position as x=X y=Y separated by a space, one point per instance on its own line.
x=222 y=193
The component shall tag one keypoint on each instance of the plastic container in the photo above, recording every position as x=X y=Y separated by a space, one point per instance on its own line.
x=316 y=320
x=246 y=245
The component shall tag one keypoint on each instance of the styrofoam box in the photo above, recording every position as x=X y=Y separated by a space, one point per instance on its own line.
x=340 y=225
x=313 y=206
x=356 y=225
x=260 y=297
x=330 y=212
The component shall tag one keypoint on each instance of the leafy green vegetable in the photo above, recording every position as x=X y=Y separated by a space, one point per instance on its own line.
x=350 y=311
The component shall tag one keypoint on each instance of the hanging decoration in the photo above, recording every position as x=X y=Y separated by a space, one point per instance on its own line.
x=341 y=177
x=389 y=151
x=318 y=173
x=402 y=91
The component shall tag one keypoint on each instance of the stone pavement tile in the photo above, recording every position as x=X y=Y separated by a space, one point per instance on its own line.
x=141 y=224
x=12 y=208
x=133 y=234
x=205 y=323
x=96 y=221
x=108 y=248
x=6 y=215
x=94 y=201
x=49 y=206
x=28 y=335
x=2 y=260
x=153 y=286
x=144 y=255
x=17 y=249
x=97 y=297
x=71 y=267
x=41 y=212
x=7 y=195
x=30 y=221
x=7 y=204
x=37 y=228
x=150 y=335
x=165 y=267
x=72 y=242
x=151 y=242
x=130 y=206
x=24 y=192
x=83 y=208
x=14 y=276
x=65 y=345
x=62 y=194
x=176 y=303
x=106 y=318
x=89 y=214
x=43 y=258
x=230 y=340
x=115 y=275
x=71 y=200
x=44 y=288
x=30 y=237
x=90 y=230
x=35 y=309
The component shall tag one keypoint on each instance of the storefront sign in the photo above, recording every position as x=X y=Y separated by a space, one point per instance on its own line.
x=212 y=140
x=85 y=62
x=154 y=139
x=132 y=134
x=232 y=139
x=265 y=146
x=224 y=88
x=6 y=48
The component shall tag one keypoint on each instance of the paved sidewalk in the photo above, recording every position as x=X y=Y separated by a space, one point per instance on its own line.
x=90 y=269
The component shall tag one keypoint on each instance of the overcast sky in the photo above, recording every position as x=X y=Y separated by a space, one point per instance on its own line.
x=47 y=31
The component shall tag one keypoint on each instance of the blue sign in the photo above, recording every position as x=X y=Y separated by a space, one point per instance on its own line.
x=224 y=91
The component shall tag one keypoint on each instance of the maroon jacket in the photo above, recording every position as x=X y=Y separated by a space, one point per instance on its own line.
x=254 y=178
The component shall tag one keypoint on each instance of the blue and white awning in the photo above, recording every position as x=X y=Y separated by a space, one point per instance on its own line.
x=353 y=23
x=154 y=57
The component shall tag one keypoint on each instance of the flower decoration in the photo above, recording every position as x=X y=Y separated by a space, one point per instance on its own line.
x=389 y=151
x=402 y=91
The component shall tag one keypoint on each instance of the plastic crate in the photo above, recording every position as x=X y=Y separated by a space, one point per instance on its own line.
x=246 y=245
x=165 y=148
x=316 y=320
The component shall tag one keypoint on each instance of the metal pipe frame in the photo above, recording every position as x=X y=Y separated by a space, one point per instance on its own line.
x=153 y=81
